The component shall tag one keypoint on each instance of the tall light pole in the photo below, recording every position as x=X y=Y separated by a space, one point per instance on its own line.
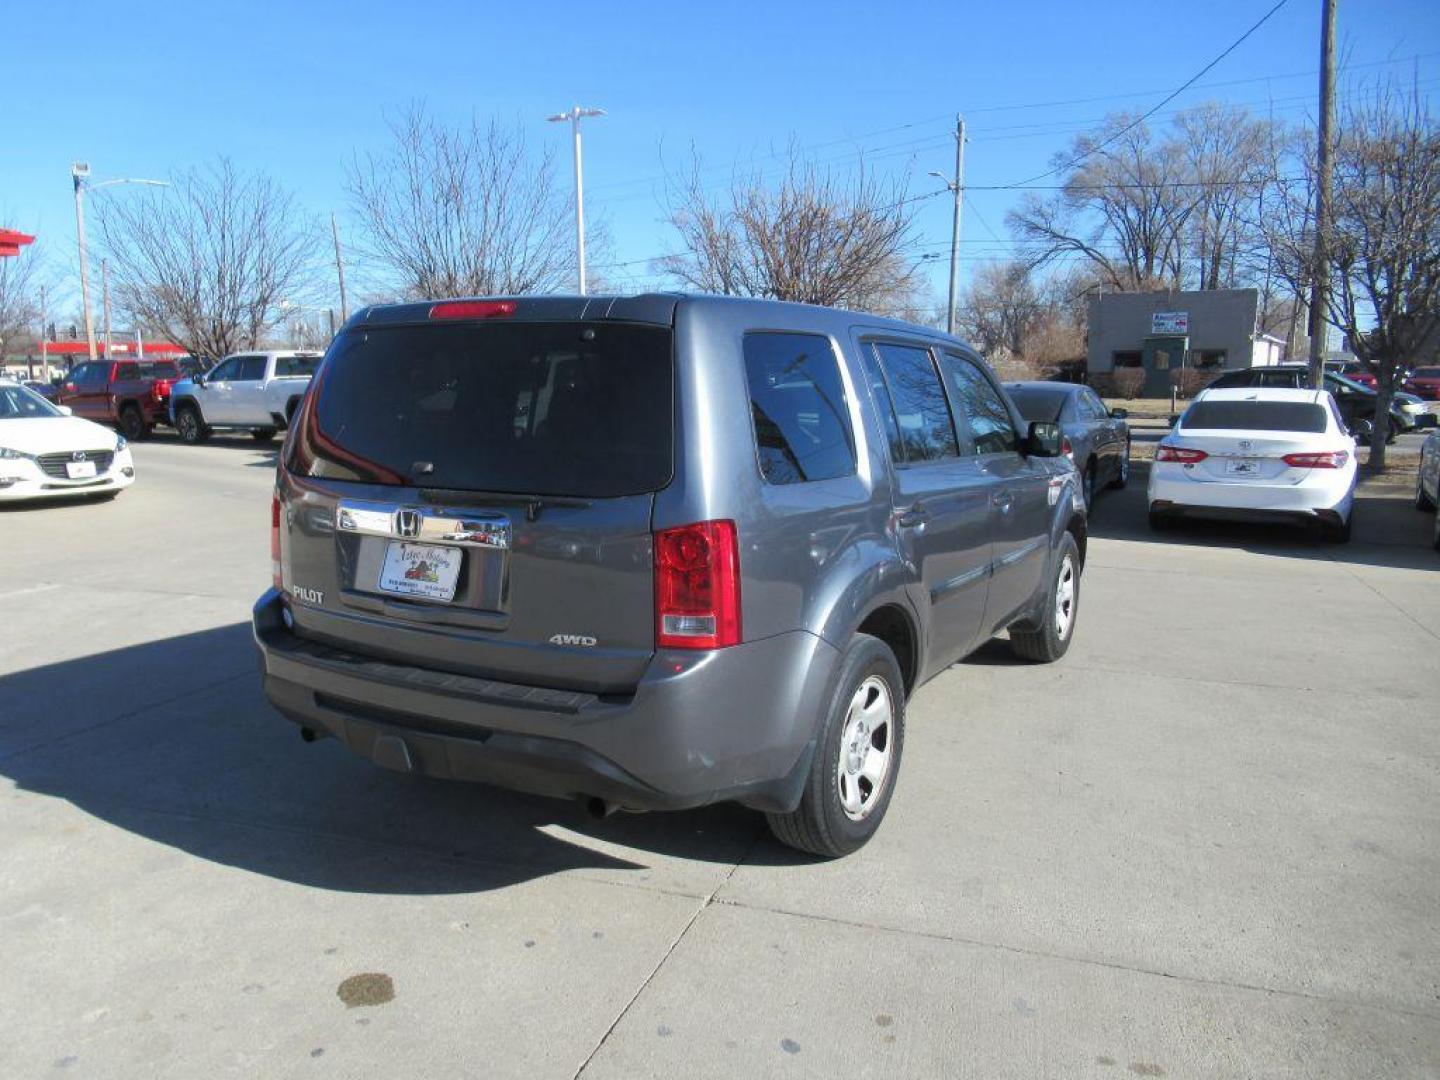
x=957 y=187
x=575 y=115
x=105 y=301
x=80 y=176
x=1319 y=281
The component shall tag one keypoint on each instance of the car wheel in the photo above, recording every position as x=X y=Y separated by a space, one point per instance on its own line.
x=1437 y=530
x=1087 y=482
x=1123 y=476
x=1423 y=501
x=1057 y=613
x=1394 y=431
x=264 y=434
x=1160 y=521
x=1362 y=429
x=132 y=424
x=857 y=757
x=192 y=429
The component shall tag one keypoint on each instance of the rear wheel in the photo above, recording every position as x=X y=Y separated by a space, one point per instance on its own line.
x=264 y=434
x=132 y=424
x=191 y=427
x=1423 y=501
x=1160 y=521
x=1123 y=476
x=1051 y=640
x=1087 y=481
x=1362 y=429
x=857 y=757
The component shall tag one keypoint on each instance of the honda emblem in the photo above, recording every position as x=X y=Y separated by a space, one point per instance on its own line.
x=407 y=522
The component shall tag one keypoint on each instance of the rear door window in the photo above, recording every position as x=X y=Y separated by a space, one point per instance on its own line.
x=991 y=428
x=252 y=369
x=552 y=408
x=1254 y=416
x=797 y=401
x=922 y=415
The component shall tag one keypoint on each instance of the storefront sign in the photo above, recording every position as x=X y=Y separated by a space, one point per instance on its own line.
x=1170 y=323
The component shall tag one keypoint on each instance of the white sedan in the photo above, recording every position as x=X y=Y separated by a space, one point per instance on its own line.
x=45 y=453
x=1257 y=454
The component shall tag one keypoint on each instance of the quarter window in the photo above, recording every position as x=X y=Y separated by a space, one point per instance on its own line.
x=991 y=427
x=922 y=416
x=802 y=420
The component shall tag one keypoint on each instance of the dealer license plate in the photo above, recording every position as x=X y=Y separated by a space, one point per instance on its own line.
x=79 y=470
x=425 y=570
x=1242 y=467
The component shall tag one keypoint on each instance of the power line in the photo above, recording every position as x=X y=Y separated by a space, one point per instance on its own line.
x=1169 y=98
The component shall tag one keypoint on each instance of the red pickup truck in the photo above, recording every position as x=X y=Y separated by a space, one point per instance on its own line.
x=133 y=395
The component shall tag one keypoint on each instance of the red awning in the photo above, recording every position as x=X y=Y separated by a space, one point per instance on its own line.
x=118 y=349
x=11 y=241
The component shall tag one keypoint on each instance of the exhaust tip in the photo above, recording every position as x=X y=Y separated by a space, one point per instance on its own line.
x=599 y=809
x=308 y=734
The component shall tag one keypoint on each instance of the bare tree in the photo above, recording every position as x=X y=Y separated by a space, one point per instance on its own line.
x=463 y=211
x=19 y=293
x=208 y=261
x=1225 y=158
x=813 y=236
x=1385 y=278
x=1123 y=207
x=1000 y=308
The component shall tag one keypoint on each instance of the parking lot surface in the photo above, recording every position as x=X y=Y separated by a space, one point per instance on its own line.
x=1206 y=843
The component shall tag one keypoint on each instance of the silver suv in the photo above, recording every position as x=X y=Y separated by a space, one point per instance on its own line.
x=656 y=551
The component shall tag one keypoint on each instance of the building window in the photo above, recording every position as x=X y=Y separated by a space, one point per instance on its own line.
x=1125 y=359
x=1208 y=359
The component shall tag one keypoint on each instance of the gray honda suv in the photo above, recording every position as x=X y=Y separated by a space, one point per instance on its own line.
x=657 y=551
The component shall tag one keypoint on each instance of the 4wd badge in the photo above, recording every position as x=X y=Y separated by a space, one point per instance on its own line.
x=573 y=639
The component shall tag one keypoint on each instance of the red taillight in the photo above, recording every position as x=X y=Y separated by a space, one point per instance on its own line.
x=160 y=389
x=1334 y=459
x=275 y=577
x=697 y=586
x=1067 y=449
x=472 y=309
x=1180 y=454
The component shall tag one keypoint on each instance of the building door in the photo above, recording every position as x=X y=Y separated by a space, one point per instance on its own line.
x=1161 y=358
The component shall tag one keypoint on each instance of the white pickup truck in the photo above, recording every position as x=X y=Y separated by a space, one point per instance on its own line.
x=252 y=391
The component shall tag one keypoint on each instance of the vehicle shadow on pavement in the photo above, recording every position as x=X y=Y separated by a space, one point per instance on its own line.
x=173 y=741
x=1388 y=530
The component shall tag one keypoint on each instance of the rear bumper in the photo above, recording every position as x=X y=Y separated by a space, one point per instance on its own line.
x=1326 y=497
x=700 y=727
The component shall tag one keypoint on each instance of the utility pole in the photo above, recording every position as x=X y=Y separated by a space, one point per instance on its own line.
x=1320 y=277
x=44 y=338
x=575 y=115
x=340 y=273
x=957 y=188
x=105 y=292
x=78 y=172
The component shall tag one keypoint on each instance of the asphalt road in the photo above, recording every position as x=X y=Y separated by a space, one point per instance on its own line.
x=1207 y=843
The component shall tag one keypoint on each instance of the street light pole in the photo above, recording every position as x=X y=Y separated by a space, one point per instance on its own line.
x=80 y=176
x=575 y=115
x=957 y=187
x=105 y=293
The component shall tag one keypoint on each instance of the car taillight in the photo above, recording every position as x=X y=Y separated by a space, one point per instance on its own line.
x=472 y=309
x=697 y=586
x=1067 y=449
x=275 y=578
x=1335 y=459
x=160 y=389
x=1180 y=454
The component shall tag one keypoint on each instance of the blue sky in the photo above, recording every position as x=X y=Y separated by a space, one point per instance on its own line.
x=296 y=89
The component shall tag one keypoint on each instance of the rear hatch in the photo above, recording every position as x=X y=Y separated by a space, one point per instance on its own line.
x=1247 y=441
x=475 y=496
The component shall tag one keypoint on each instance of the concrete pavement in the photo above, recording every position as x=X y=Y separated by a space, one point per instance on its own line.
x=1207 y=843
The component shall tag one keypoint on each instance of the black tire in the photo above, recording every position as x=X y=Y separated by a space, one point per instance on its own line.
x=821 y=825
x=290 y=407
x=190 y=424
x=1051 y=639
x=1423 y=501
x=1160 y=521
x=1123 y=476
x=1087 y=483
x=133 y=425
x=1362 y=429
x=1437 y=530
x=1394 y=432
x=264 y=434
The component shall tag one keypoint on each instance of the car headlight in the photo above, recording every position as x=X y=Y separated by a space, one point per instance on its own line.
x=120 y=443
x=7 y=454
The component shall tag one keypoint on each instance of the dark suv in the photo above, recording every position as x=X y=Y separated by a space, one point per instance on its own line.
x=1356 y=401
x=656 y=551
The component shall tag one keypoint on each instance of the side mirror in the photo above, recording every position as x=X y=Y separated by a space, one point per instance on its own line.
x=1044 y=440
x=1119 y=414
x=65 y=410
x=198 y=380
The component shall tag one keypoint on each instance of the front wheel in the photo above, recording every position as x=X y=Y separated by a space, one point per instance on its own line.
x=1056 y=617
x=1123 y=476
x=857 y=757
x=188 y=423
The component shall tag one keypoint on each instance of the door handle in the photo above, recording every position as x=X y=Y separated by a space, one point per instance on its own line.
x=913 y=516
x=1003 y=501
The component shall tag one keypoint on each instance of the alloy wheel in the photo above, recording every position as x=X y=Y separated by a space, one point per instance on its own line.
x=865 y=748
x=1065 y=599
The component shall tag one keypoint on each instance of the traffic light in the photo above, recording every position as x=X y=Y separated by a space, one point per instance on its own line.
x=74 y=335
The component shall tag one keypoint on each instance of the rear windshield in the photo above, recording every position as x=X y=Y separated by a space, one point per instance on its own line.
x=1255 y=416
x=295 y=365
x=1038 y=405
x=149 y=369
x=1426 y=373
x=563 y=408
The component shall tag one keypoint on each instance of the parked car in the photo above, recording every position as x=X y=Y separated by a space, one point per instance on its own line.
x=1424 y=383
x=46 y=453
x=1356 y=402
x=49 y=391
x=1097 y=439
x=1427 y=480
x=1358 y=373
x=133 y=395
x=1257 y=454
x=654 y=552
x=256 y=392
